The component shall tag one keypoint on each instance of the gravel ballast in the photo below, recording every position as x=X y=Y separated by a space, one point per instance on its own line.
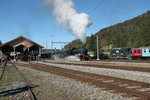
x=72 y=89
x=131 y=75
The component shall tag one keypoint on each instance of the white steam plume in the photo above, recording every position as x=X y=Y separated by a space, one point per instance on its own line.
x=67 y=16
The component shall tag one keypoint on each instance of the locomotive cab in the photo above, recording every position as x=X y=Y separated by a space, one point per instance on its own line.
x=136 y=53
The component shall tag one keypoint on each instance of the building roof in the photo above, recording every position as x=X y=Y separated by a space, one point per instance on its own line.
x=21 y=41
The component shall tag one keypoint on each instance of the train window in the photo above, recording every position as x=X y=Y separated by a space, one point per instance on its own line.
x=144 y=50
x=138 y=51
x=149 y=50
x=134 y=51
x=117 y=51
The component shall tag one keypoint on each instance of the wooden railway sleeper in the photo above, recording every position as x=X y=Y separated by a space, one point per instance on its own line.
x=132 y=92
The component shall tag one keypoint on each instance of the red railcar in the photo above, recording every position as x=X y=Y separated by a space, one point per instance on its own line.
x=136 y=53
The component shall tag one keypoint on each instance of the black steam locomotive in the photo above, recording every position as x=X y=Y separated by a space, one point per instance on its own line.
x=80 y=52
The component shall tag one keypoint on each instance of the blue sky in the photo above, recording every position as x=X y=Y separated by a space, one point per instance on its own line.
x=34 y=20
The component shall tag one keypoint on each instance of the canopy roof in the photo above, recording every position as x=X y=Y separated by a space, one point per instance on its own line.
x=21 y=41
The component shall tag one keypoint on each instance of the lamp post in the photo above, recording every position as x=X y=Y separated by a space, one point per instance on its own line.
x=97 y=48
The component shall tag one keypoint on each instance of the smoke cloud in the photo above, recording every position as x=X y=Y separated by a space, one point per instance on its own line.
x=67 y=16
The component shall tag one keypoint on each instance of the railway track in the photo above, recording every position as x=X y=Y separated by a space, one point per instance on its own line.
x=126 y=60
x=129 y=88
x=106 y=66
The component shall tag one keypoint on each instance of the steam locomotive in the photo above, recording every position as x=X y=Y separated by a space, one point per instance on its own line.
x=80 y=53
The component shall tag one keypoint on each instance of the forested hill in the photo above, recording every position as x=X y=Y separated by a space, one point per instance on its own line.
x=131 y=33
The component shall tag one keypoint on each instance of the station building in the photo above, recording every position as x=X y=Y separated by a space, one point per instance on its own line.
x=21 y=47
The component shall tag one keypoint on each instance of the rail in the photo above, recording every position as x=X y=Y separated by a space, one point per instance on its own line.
x=118 y=85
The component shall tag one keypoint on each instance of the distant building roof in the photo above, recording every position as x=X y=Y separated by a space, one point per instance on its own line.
x=21 y=41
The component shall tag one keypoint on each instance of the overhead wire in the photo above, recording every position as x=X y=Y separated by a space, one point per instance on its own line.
x=98 y=5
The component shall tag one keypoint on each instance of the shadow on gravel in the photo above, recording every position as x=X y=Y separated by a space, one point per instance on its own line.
x=16 y=91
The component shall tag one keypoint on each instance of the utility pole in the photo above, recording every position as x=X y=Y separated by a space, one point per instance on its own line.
x=97 y=48
x=52 y=51
x=46 y=47
x=52 y=45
